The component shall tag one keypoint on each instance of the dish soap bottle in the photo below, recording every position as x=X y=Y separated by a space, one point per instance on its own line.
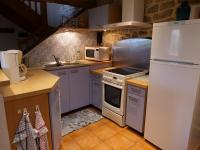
x=183 y=11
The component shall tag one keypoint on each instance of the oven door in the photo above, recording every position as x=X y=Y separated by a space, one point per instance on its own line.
x=113 y=97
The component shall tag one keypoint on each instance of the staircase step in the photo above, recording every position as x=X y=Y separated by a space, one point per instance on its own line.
x=26 y=2
x=22 y=15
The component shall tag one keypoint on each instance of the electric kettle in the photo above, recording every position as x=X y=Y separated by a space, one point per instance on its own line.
x=11 y=64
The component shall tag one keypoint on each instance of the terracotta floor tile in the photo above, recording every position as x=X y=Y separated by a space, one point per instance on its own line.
x=143 y=146
x=115 y=127
x=71 y=145
x=101 y=146
x=119 y=142
x=87 y=141
x=105 y=120
x=78 y=133
x=105 y=135
x=104 y=132
x=66 y=139
x=132 y=135
x=94 y=126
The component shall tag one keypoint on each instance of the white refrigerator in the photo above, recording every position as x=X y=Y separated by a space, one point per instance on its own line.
x=173 y=103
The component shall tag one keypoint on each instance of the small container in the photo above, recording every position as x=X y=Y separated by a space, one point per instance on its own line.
x=183 y=11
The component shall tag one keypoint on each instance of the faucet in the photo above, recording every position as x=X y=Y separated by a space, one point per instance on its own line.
x=57 y=59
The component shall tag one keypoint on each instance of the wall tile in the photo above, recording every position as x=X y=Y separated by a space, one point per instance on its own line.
x=61 y=44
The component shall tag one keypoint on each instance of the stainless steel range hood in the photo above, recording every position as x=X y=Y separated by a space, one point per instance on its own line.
x=132 y=16
x=128 y=25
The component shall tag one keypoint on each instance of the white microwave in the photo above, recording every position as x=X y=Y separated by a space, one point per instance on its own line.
x=97 y=53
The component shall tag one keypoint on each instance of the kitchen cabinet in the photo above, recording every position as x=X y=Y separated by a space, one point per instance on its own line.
x=79 y=81
x=78 y=89
x=96 y=90
x=136 y=107
x=14 y=110
x=64 y=89
x=105 y=14
x=54 y=108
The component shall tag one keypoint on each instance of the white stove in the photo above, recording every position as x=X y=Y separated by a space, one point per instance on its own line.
x=114 y=92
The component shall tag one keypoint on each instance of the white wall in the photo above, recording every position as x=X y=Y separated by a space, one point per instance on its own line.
x=8 y=40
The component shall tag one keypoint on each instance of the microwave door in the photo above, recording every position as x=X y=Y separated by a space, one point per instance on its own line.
x=90 y=53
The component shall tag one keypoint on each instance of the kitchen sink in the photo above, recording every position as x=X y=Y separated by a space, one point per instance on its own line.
x=62 y=63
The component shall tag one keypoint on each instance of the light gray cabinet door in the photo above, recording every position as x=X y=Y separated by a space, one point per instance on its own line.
x=79 y=87
x=64 y=90
x=96 y=91
x=55 y=114
x=98 y=17
x=135 y=111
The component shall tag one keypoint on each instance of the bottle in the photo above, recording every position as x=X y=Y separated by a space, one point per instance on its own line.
x=183 y=11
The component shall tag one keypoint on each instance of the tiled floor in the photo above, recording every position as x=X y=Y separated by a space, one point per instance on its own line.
x=104 y=135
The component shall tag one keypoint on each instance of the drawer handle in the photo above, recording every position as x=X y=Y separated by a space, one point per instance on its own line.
x=75 y=71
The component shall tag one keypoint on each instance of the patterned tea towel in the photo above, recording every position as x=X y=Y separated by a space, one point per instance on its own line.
x=42 y=130
x=25 y=134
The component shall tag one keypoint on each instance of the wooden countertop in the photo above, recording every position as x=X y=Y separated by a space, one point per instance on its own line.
x=139 y=81
x=80 y=63
x=89 y=62
x=100 y=71
x=37 y=82
x=3 y=79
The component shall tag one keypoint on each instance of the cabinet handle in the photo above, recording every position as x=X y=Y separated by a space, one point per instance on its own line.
x=75 y=71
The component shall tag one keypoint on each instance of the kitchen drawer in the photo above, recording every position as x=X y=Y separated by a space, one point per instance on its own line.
x=136 y=90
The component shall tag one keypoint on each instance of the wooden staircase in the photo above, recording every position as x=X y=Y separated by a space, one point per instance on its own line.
x=31 y=15
x=21 y=14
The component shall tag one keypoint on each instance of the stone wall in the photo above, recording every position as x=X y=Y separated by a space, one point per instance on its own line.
x=155 y=11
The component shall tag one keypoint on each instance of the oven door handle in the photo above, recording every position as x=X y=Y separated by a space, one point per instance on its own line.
x=112 y=84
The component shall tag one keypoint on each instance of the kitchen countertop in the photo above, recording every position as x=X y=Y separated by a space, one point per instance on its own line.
x=89 y=62
x=80 y=63
x=142 y=81
x=100 y=71
x=37 y=82
x=3 y=79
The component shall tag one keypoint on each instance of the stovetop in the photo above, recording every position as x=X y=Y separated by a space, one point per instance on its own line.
x=125 y=71
x=118 y=76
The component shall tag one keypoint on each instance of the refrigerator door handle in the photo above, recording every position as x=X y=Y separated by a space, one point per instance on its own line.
x=177 y=62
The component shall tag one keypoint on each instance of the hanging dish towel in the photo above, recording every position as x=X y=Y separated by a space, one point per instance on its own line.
x=20 y=135
x=42 y=130
x=24 y=137
x=30 y=135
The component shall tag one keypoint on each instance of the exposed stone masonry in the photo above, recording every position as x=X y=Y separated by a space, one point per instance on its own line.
x=155 y=11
